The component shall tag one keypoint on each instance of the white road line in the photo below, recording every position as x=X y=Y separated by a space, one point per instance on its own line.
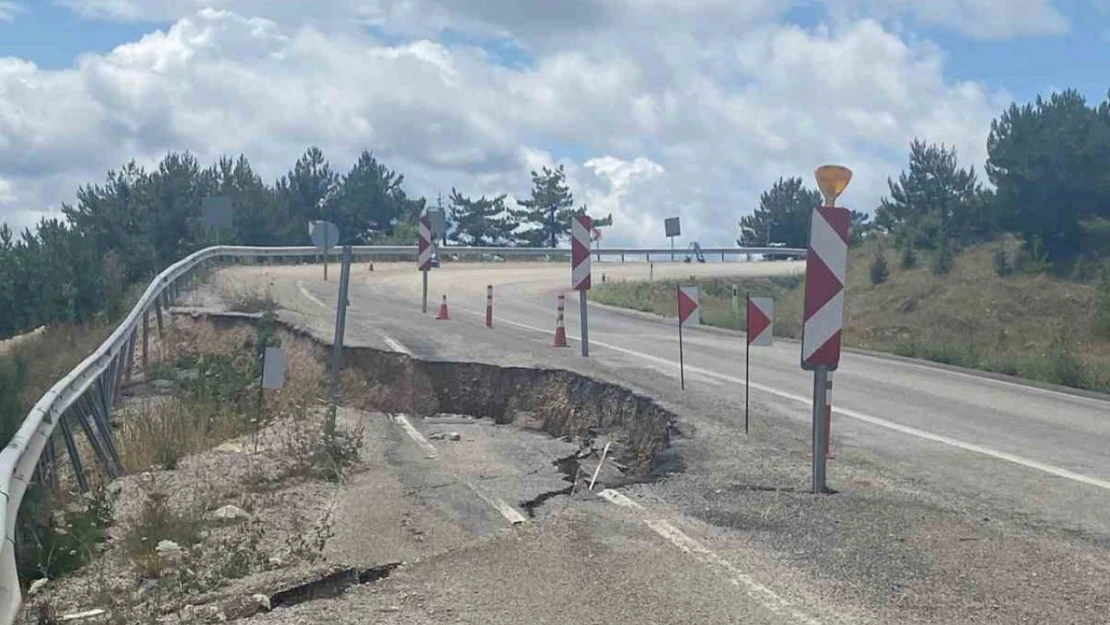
x=763 y=595
x=859 y=416
x=760 y=593
x=310 y=296
x=394 y=344
x=619 y=498
x=510 y=513
x=414 y=434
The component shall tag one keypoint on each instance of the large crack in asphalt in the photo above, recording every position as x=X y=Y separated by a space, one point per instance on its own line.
x=558 y=402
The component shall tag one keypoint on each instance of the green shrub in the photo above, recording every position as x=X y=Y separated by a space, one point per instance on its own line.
x=1102 y=303
x=943 y=259
x=909 y=257
x=158 y=521
x=53 y=539
x=1002 y=263
x=879 y=270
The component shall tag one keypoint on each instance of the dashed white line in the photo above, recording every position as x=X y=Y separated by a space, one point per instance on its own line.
x=310 y=296
x=510 y=513
x=394 y=344
x=859 y=416
x=763 y=595
x=619 y=498
x=415 y=434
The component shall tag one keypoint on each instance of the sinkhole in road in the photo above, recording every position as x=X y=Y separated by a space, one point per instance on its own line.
x=558 y=402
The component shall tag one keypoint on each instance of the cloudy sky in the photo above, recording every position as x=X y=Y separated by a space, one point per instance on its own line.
x=656 y=107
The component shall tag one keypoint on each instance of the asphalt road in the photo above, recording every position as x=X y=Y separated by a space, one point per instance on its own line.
x=960 y=498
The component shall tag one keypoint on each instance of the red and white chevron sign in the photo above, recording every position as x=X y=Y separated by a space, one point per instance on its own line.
x=689 y=305
x=424 y=244
x=760 y=327
x=826 y=265
x=580 y=229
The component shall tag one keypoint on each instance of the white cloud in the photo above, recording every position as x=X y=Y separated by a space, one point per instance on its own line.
x=981 y=19
x=694 y=121
x=8 y=10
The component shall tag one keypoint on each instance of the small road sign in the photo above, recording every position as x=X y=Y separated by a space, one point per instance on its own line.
x=689 y=310
x=760 y=324
x=438 y=220
x=672 y=227
x=324 y=234
x=424 y=236
x=273 y=368
x=216 y=212
x=689 y=305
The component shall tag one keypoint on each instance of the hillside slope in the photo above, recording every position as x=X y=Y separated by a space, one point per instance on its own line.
x=1033 y=326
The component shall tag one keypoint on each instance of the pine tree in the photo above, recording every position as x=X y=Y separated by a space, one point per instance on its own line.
x=547 y=213
x=783 y=215
x=481 y=222
x=934 y=200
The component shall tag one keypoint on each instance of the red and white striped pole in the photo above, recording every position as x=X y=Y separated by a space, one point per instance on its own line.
x=823 y=312
x=580 y=227
x=424 y=257
x=560 y=329
x=489 y=306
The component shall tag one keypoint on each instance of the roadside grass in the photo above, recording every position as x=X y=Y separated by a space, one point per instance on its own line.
x=248 y=298
x=1024 y=323
x=200 y=390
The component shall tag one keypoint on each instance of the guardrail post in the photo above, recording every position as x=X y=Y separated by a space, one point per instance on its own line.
x=130 y=358
x=74 y=455
x=95 y=443
x=158 y=313
x=146 y=339
x=121 y=366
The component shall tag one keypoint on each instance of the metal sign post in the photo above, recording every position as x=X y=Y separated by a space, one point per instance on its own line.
x=580 y=272
x=758 y=331
x=826 y=267
x=424 y=257
x=688 y=301
x=337 y=345
x=673 y=229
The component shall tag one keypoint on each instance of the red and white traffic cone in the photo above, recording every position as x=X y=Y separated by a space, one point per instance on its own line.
x=829 y=454
x=489 y=306
x=443 y=314
x=560 y=330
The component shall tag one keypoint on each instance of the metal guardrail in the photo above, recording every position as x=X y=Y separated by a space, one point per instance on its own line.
x=84 y=398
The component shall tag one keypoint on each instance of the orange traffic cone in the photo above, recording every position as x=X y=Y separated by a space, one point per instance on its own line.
x=560 y=331
x=443 y=314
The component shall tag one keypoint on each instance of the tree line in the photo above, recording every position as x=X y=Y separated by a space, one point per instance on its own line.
x=138 y=221
x=1049 y=167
